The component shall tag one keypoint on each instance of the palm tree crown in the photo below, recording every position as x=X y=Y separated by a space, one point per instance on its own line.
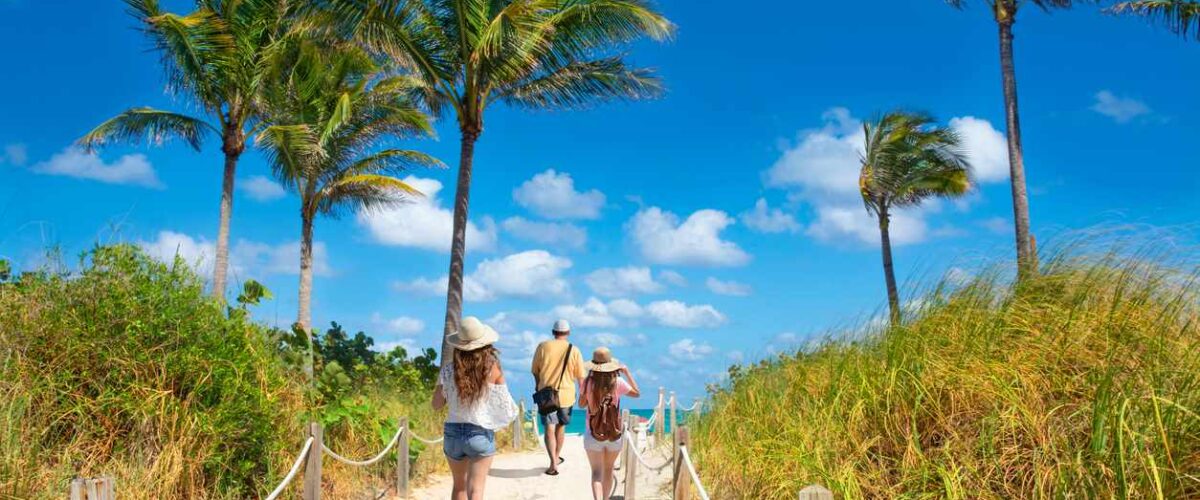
x=1179 y=16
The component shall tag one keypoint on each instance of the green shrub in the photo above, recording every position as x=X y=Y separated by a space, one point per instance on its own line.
x=1081 y=382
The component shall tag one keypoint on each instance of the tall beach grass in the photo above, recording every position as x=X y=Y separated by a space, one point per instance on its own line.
x=1083 y=382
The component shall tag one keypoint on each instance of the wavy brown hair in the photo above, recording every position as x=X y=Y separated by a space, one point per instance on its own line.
x=600 y=385
x=471 y=370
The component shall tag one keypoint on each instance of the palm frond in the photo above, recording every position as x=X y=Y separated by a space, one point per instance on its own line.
x=907 y=159
x=153 y=125
x=579 y=84
x=363 y=192
x=291 y=150
x=1180 y=16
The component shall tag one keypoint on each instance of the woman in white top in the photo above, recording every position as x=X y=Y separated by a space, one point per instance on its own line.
x=601 y=394
x=472 y=387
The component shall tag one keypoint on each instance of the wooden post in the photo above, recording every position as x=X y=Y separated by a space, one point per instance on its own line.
x=77 y=488
x=630 y=460
x=518 y=428
x=402 y=460
x=674 y=425
x=92 y=492
x=521 y=417
x=660 y=423
x=312 y=470
x=680 y=480
x=108 y=488
x=815 y=492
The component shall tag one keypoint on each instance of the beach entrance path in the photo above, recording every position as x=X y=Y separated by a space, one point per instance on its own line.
x=519 y=476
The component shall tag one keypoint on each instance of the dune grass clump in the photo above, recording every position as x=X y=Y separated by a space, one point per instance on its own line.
x=1081 y=382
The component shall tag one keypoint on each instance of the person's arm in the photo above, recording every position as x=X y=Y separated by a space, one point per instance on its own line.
x=533 y=366
x=584 y=393
x=580 y=373
x=439 y=397
x=496 y=376
x=633 y=387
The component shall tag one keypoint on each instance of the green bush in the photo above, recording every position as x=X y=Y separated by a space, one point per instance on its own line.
x=1082 y=382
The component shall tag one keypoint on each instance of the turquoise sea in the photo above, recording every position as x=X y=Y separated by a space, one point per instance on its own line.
x=580 y=416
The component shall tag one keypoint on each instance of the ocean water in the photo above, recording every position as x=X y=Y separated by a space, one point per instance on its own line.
x=580 y=416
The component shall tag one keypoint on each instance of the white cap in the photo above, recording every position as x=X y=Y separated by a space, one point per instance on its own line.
x=562 y=326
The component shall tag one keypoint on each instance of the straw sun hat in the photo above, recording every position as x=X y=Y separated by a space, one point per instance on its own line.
x=472 y=334
x=603 y=362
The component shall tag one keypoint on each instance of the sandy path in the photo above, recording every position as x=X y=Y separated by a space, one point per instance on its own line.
x=520 y=476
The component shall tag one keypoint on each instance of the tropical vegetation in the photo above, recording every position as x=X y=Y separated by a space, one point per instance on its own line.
x=906 y=160
x=1083 y=381
x=213 y=58
x=538 y=54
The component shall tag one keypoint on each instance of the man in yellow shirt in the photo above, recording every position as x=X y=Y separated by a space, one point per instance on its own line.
x=547 y=371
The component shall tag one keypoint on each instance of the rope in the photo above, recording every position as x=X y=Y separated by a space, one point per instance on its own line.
x=363 y=463
x=292 y=473
x=687 y=460
x=637 y=454
x=423 y=440
x=693 y=407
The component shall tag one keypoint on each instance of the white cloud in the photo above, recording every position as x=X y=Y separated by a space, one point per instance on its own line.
x=765 y=219
x=609 y=339
x=673 y=278
x=822 y=170
x=1120 y=109
x=423 y=223
x=622 y=281
x=689 y=350
x=409 y=345
x=547 y=233
x=997 y=225
x=535 y=273
x=663 y=239
x=132 y=169
x=246 y=258
x=591 y=314
x=552 y=195
x=727 y=287
x=15 y=154
x=986 y=148
x=260 y=188
x=677 y=314
x=401 y=325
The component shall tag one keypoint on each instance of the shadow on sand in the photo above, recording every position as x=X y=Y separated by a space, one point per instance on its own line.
x=516 y=473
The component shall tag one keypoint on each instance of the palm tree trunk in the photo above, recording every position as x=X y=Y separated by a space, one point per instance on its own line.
x=304 y=310
x=889 y=272
x=232 y=145
x=1016 y=160
x=458 y=242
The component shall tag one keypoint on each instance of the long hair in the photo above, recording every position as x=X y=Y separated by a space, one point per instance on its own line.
x=471 y=370
x=601 y=384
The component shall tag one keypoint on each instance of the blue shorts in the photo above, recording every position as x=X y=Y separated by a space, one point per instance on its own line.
x=465 y=441
x=561 y=416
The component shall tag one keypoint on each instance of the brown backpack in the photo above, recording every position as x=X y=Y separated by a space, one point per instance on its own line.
x=604 y=419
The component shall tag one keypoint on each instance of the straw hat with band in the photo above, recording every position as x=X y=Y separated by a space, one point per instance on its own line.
x=603 y=362
x=472 y=334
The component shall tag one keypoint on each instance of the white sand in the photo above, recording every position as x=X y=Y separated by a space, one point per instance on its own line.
x=520 y=476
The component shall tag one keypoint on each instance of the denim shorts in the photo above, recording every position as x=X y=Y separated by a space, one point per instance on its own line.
x=465 y=441
x=561 y=416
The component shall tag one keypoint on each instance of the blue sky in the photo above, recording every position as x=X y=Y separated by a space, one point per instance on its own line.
x=640 y=222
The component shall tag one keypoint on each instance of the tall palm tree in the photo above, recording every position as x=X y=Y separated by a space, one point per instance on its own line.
x=328 y=115
x=212 y=57
x=1179 y=16
x=906 y=160
x=537 y=54
x=1005 y=13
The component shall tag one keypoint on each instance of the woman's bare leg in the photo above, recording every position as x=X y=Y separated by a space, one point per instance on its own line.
x=477 y=477
x=608 y=461
x=459 y=470
x=596 y=460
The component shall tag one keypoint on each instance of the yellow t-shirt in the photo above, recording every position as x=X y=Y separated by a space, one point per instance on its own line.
x=547 y=366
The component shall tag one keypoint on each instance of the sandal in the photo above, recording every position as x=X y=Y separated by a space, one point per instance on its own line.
x=551 y=472
x=561 y=460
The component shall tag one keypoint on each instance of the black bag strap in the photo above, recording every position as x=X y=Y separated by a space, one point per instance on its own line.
x=563 y=374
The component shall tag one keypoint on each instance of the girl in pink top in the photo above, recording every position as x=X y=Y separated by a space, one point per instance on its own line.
x=607 y=377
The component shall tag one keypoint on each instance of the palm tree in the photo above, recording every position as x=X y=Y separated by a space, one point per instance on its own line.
x=907 y=159
x=328 y=113
x=213 y=57
x=1005 y=13
x=536 y=54
x=1180 y=16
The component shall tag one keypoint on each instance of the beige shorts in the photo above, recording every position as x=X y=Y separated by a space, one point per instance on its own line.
x=592 y=444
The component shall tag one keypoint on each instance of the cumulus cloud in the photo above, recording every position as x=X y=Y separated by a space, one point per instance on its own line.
x=689 y=350
x=765 y=219
x=622 y=281
x=14 y=154
x=133 y=170
x=672 y=278
x=547 y=233
x=261 y=188
x=400 y=325
x=552 y=195
x=535 y=273
x=423 y=223
x=609 y=339
x=677 y=314
x=822 y=170
x=1120 y=109
x=246 y=258
x=663 y=239
x=732 y=288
